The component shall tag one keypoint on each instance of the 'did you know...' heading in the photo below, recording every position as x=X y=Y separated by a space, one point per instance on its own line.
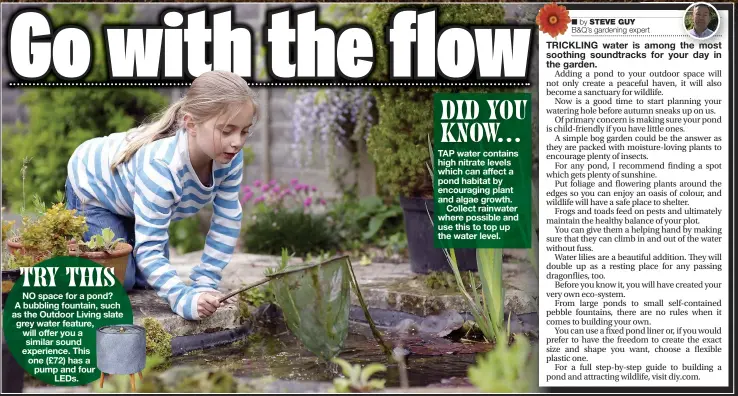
x=188 y=43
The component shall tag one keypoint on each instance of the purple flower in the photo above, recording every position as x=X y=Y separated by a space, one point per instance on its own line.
x=320 y=117
x=275 y=189
x=299 y=187
x=259 y=199
x=246 y=189
x=314 y=188
x=257 y=183
x=247 y=197
x=265 y=188
x=308 y=201
x=272 y=182
x=322 y=201
x=294 y=181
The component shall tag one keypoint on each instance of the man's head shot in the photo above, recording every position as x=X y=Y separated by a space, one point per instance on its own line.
x=701 y=20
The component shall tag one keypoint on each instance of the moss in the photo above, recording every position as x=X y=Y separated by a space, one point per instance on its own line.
x=158 y=340
x=446 y=281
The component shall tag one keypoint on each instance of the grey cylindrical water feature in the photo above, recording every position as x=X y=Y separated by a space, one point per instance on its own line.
x=121 y=349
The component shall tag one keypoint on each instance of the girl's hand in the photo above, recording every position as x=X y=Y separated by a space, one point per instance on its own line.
x=219 y=295
x=207 y=304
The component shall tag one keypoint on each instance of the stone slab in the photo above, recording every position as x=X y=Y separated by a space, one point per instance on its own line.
x=146 y=303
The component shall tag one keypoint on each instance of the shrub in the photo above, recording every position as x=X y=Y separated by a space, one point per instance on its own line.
x=398 y=142
x=367 y=220
x=61 y=119
x=284 y=217
x=299 y=231
x=185 y=235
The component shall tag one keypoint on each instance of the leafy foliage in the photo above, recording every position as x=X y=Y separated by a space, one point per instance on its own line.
x=299 y=231
x=185 y=235
x=488 y=308
x=103 y=242
x=507 y=369
x=7 y=226
x=61 y=119
x=368 y=220
x=357 y=379
x=52 y=231
x=122 y=384
x=396 y=142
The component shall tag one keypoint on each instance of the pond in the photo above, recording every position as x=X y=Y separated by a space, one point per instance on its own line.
x=281 y=355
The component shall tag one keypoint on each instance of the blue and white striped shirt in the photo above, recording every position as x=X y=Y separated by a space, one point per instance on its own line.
x=158 y=186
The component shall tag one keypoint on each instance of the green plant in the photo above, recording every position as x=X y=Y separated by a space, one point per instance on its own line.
x=19 y=260
x=51 y=232
x=103 y=242
x=507 y=369
x=185 y=235
x=284 y=260
x=396 y=142
x=257 y=296
x=122 y=384
x=444 y=280
x=7 y=227
x=301 y=232
x=488 y=308
x=357 y=379
x=366 y=221
x=60 y=119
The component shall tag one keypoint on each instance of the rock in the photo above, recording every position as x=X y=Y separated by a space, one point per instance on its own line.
x=520 y=302
x=406 y=326
x=443 y=324
x=146 y=303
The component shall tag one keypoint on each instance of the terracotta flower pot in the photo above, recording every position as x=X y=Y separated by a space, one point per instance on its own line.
x=16 y=245
x=117 y=260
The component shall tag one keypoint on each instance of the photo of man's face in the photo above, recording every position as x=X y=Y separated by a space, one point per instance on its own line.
x=701 y=17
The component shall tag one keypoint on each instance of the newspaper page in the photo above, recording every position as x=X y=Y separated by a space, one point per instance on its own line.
x=359 y=197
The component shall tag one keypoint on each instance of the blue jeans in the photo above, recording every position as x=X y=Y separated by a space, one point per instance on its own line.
x=99 y=218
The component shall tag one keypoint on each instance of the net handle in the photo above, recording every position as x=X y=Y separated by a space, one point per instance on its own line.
x=377 y=335
x=243 y=289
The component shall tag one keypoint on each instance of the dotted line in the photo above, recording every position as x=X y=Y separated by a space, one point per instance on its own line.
x=257 y=84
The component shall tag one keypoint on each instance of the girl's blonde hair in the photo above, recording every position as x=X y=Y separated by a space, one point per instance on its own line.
x=212 y=94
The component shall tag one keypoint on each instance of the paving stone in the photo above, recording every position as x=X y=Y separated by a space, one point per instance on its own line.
x=146 y=303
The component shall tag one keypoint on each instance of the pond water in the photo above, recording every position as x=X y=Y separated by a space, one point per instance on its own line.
x=280 y=354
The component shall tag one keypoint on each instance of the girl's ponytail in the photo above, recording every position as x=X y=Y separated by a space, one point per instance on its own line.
x=213 y=93
x=163 y=127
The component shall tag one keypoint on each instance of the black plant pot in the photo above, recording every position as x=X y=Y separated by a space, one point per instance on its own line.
x=12 y=276
x=425 y=258
x=12 y=372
